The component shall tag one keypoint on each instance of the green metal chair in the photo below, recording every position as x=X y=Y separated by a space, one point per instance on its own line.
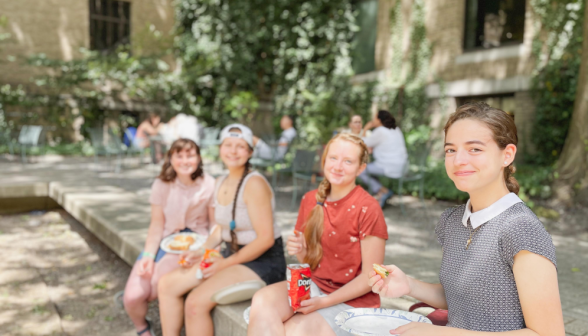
x=104 y=142
x=7 y=140
x=414 y=171
x=209 y=140
x=303 y=170
x=29 y=136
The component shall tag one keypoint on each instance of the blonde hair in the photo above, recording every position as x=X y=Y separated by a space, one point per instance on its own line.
x=313 y=228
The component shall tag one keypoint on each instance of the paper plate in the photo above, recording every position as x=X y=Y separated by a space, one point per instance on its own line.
x=246 y=314
x=238 y=292
x=198 y=241
x=375 y=321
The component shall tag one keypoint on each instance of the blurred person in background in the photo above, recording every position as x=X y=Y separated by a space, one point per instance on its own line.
x=265 y=151
x=389 y=151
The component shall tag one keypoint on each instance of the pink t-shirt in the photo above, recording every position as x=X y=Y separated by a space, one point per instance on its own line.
x=184 y=206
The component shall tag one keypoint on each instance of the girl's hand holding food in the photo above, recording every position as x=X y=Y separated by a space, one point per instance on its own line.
x=394 y=284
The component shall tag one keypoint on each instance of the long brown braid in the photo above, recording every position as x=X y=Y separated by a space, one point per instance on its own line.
x=313 y=230
x=234 y=242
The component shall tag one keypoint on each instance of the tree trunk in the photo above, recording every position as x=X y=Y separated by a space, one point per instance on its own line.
x=262 y=121
x=572 y=166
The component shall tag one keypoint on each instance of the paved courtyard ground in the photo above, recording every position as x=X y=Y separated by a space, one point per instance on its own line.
x=57 y=278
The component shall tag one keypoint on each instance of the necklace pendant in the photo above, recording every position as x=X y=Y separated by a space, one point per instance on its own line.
x=468 y=244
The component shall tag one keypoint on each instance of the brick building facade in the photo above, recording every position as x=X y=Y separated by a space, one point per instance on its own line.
x=499 y=74
x=59 y=28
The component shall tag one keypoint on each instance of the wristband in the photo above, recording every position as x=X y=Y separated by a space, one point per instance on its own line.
x=148 y=255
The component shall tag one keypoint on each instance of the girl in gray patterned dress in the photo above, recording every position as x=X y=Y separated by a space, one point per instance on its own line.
x=498 y=272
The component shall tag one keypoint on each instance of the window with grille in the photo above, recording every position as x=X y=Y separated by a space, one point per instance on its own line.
x=110 y=24
x=490 y=24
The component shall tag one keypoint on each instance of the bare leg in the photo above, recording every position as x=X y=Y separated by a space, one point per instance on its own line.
x=165 y=265
x=171 y=290
x=311 y=324
x=269 y=310
x=136 y=299
x=199 y=305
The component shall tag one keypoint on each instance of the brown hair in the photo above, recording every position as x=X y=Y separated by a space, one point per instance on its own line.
x=500 y=123
x=168 y=174
x=234 y=242
x=313 y=230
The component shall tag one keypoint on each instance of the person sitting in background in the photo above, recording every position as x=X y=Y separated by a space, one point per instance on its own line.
x=148 y=128
x=180 y=201
x=389 y=151
x=264 y=151
x=355 y=125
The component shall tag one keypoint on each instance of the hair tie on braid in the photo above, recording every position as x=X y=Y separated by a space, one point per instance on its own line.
x=320 y=203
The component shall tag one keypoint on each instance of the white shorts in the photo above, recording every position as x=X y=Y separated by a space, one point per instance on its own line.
x=331 y=312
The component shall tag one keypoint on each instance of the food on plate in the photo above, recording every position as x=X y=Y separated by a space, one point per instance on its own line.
x=184 y=238
x=381 y=271
x=177 y=245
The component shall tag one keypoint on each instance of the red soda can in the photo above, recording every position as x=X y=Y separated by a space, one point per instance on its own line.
x=298 y=280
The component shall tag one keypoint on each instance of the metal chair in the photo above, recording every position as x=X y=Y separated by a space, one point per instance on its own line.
x=104 y=142
x=209 y=139
x=7 y=140
x=29 y=136
x=413 y=173
x=302 y=169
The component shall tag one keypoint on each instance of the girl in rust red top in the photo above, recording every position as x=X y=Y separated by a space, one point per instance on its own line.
x=342 y=233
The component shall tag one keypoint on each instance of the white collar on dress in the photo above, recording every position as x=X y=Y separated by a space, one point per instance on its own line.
x=480 y=217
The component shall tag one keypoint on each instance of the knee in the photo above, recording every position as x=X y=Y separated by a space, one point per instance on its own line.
x=164 y=286
x=133 y=297
x=262 y=299
x=197 y=304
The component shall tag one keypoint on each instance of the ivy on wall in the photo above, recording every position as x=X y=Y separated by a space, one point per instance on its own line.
x=557 y=49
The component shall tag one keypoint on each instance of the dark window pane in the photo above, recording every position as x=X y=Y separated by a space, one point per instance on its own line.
x=127 y=10
x=364 y=54
x=490 y=24
x=104 y=7
x=109 y=24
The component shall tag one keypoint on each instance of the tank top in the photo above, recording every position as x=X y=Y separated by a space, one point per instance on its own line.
x=243 y=228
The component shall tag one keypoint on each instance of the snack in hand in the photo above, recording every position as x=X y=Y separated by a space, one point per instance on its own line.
x=204 y=263
x=184 y=238
x=177 y=245
x=381 y=271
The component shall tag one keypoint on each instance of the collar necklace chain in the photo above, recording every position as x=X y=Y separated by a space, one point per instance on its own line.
x=472 y=233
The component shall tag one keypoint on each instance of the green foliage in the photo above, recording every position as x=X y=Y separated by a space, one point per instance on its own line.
x=405 y=93
x=292 y=54
x=558 y=50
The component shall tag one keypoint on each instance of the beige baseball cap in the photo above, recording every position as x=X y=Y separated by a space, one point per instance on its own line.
x=245 y=134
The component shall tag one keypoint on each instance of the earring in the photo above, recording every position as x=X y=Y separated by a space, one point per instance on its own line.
x=506 y=163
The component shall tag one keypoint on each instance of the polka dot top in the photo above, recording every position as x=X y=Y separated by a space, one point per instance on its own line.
x=479 y=282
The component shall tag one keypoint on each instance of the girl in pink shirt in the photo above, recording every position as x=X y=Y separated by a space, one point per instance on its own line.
x=180 y=201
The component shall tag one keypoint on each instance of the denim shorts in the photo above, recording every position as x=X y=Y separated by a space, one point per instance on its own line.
x=160 y=253
x=270 y=266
